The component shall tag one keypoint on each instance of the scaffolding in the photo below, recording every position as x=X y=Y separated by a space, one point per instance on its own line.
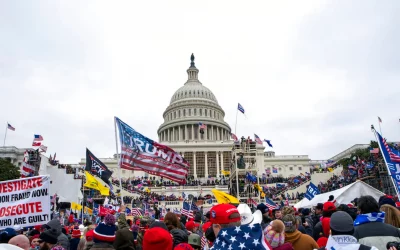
x=244 y=160
x=33 y=158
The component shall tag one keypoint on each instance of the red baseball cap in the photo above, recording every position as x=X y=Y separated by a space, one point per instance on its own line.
x=206 y=226
x=191 y=224
x=221 y=213
x=329 y=206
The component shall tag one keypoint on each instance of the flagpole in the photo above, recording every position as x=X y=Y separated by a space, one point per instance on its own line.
x=380 y=129
x=119 y=160
x=237 y=110
x=83 y=199
x=387 y=167
x=5 y=135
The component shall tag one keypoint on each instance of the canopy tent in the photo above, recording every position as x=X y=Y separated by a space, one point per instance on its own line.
x=343 y=195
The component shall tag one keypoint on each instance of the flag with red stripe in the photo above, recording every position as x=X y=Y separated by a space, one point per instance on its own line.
x=141 y=153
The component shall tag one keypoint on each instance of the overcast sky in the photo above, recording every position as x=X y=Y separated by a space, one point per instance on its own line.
x=312 y=75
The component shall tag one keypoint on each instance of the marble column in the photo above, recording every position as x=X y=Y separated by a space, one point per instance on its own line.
x=180 y=134
x=194 y=165
x=212 y=133
x=217 y=160
x=205 y=134
x=218 y=138
x=186 y=133
x=192 y=132
x=206 y=165
x=222 y=160
x=169 y=138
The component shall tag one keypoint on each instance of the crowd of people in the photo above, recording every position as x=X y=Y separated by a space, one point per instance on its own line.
x=365 y=223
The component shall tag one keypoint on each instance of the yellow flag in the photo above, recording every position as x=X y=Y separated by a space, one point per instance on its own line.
x=76 y=206
x=224 y=172
x=88 y=211
x=93 y=183
x=224 y=198
x=330 y=169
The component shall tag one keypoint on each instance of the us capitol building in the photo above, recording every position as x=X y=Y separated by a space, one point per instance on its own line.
x=209 y=150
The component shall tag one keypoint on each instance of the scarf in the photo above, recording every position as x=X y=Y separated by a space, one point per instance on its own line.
x=367 y=218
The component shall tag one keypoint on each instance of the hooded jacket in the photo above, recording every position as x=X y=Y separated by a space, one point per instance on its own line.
x=124 y=239
x=62 y=238
x=179 y=236
x=301 y=241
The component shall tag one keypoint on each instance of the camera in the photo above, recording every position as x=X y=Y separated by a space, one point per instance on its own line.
x=393 y=244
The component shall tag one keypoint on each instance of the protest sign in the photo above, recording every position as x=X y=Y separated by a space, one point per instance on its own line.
x=25 y=202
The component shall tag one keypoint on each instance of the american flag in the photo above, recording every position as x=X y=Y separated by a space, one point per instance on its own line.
x=393 y=154
x=203 y=242
x=270 y=204
x=234 y=137
x=27 y=170
x=37 y=138
x=240 y=108
x=251 y=201
x=202 y=125
x=249 y=237
x=257 y=139
x=187 y=210
x=374 y=151
x=10 y=127
x=36 y=144
x=195 y=207
x=136 y=211
x=143 y=154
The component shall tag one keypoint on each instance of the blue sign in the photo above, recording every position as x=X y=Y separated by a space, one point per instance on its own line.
x=312 y=191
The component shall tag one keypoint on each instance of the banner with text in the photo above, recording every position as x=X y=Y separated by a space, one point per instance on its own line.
x=312 y=191
x=25 y=202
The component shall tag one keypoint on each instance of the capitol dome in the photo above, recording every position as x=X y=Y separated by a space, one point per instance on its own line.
x=191 y=105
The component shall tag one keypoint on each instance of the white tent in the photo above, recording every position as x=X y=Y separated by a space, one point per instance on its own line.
x=343 y=195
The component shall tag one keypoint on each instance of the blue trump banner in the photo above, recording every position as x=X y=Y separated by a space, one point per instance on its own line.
x=312 y=191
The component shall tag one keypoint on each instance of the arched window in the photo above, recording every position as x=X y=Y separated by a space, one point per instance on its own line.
x=179 y=113
x=201 y=112
x=195 y=111
x=190 y=112
x=205 y=112
x=184 y=112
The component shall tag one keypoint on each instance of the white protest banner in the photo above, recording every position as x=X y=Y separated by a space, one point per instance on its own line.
x=25 y=202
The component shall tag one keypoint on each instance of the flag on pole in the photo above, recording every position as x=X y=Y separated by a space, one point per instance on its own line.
x=98 y=168
x=93 y=183
x=202 y=125
x=36 y=144
x=136 y=211
x=268 y=142
x=43 y=148
x=10 y=127
x=379 y=119
x=37 y=138
x=240 y=108
x=186 y=210
x=257 y=139
x=143 y=154
x=234 y=137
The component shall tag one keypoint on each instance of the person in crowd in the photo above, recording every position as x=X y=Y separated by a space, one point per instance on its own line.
x=275 y=235
x=82 y=242
x=7 y=234
x=142 y=230
x=192 y=227
x=298 y=240
x=328 y=209
x=48 y=240
x=183 y=246
x=307 y=221
x=156 y=212
x=194 y=240
x=224 y=216
x=35 y=241
x=20 y=241
x=157 y=238
x=104 y=234
x=62 y=238
x=317 y=214
x=342 y=230
x=124 y=239
x=76 y=236
x=264 y=210
x=89 y=240
x=208 y=235
x=370 y=228
x=392 y=215
x=277 y=213
x=172 y=223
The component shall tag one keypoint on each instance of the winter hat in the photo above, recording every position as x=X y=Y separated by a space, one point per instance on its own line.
x=194 y=240
x=105 y=232
x=76 y=233
x=275 y=233
x=341 y=222
x=159 y=224
x=305 y=211
x=157 y=238
x=90 y=235
x=322 y=242
x=263 y=208
x=290 y=222
x=49 y=236
x=183 y=246
x=388 y=201
x=329 y=206
x=331 y=198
